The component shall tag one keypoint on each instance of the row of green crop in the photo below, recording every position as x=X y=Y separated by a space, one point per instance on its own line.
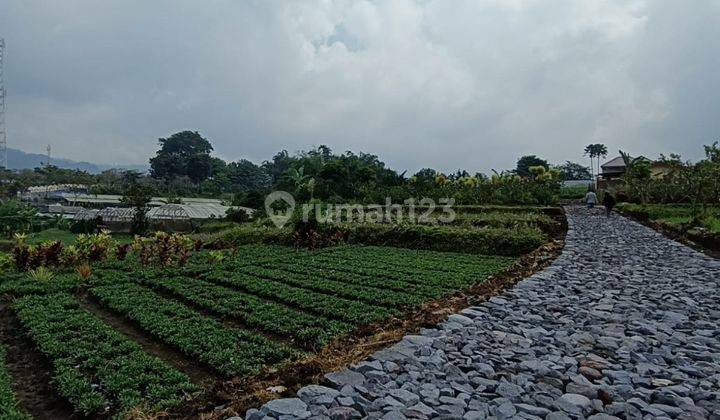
x=419 y=262
x=454 y=261
x=403 y=267
x=315 y=267
x=306 y=330
x=414 y=271
x=229 y=351
x=329 y=306
x=374 y=296
x=8 y=402
x=94 y=367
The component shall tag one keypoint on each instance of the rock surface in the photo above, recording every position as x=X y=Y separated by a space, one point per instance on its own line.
x=624 y=324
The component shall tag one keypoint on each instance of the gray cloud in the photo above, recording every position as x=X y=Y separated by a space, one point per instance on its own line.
x=471 y=84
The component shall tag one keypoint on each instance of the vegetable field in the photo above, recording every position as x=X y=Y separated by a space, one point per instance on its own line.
x=121 y=340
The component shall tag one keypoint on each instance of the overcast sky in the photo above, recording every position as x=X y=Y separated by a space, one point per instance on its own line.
x=431 y=83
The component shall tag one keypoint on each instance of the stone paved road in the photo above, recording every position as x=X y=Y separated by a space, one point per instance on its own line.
x=623 y=325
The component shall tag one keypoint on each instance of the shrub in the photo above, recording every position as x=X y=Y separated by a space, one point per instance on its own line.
x=42 y=274
x=16 y=217
x=491 y=241
x=237 y=215
x=84 y=271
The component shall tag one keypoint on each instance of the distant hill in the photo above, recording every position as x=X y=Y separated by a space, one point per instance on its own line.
x=17 y=159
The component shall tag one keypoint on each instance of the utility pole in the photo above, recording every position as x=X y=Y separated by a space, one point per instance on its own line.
x=48 y=156
x=3 y=132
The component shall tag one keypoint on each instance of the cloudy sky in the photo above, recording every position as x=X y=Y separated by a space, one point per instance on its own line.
x=447 y=84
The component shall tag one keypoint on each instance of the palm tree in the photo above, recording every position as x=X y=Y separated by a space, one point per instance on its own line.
x=595 y=151
x=600 y=152
x=590 y=152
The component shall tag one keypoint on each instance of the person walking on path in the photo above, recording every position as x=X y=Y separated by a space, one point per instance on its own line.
x=608 y=202
x=591 y=199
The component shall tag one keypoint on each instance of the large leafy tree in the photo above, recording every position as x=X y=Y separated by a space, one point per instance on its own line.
x=572 y=171
x=185 y=153
x=138 y=196
x=524 y=163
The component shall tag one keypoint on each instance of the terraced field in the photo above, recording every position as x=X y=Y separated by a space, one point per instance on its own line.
x=149 y=339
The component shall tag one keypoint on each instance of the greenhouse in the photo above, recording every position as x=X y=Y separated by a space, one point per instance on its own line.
x=188 y=212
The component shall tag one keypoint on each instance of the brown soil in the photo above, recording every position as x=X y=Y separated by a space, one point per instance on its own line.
x=197 y=372
x=236 y=396
x=30 y=371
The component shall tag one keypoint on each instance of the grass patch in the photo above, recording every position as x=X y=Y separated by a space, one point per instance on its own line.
x=678 y=217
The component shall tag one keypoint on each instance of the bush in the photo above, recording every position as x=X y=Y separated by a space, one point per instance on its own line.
x=253 y=234
x=85 y=226
x=237 y=215
x=491 y=241
x=16 y=217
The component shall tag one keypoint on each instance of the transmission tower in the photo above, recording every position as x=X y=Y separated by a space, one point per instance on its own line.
x=3 y=133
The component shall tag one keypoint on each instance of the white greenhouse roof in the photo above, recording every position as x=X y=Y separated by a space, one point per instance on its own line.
x=187 y=211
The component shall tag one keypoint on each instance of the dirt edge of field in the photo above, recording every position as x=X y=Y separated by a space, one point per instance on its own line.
x=233 y=398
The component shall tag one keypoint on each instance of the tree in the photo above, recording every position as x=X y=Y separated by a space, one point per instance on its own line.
x=525 y=162
x=185 y=153
x=16 y=217
x=595 y=151
x=138 y=196
x=637 y=175
x=572 y=171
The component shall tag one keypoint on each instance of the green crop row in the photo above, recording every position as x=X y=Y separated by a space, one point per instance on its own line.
x=422 y=259
x=429 y=269
x=22 y=284
x=370 y=295
x=372 y=266
x=328 y=306
x=307 y=331
x=229 y=351
x=314 y=267
x=446 y=281
x=8 y=403
x=94 y=367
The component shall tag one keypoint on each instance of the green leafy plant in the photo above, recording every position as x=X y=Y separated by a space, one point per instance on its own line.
x=41 y=274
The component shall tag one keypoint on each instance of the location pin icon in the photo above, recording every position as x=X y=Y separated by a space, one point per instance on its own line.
x=279 y=217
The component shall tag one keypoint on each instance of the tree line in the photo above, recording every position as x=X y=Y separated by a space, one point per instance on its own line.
x=185 y=166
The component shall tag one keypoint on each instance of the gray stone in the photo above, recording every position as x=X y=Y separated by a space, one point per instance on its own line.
x=310 y=392
x=573 y=403
x=286 y=406
x=424 y=409
x=460 y=319
x=253 y=414
x=345 y=377
x=343 y=413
